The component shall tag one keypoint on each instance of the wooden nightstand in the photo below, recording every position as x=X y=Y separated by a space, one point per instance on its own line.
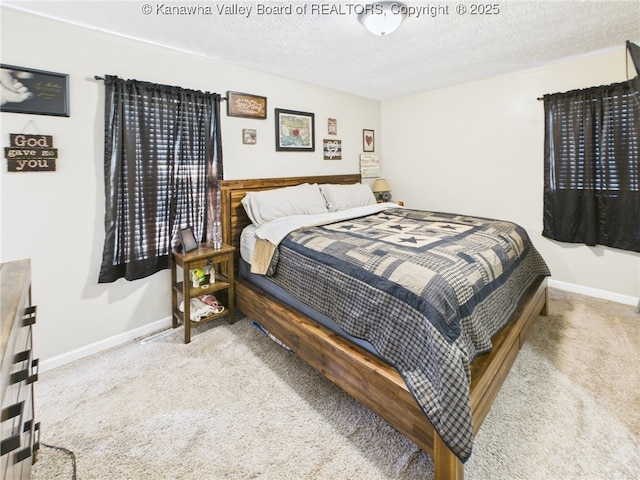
x=220 y=262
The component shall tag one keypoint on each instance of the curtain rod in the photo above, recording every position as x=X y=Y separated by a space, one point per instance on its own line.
x=98 y=77
x=626 y=58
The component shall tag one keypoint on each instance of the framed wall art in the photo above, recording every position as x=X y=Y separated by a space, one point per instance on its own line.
x=249 y=136
x=246 y=105
x=368 y=141
x=332 y=149
x=332 y=126
x=26 y=90
x=294 y=131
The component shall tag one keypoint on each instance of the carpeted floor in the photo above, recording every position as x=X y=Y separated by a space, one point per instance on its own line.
x=234 y=405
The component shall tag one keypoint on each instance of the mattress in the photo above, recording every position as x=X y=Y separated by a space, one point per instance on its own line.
x=247 y=242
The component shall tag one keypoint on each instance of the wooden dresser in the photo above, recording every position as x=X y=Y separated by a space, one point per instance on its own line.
x=19 y=433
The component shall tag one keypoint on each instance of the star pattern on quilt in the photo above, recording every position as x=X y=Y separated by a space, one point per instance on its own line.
x=408 y=240
x=347 y=227
x=397 y=230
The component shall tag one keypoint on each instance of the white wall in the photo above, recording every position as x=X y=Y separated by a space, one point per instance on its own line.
x=478 y=148
x=56 y=218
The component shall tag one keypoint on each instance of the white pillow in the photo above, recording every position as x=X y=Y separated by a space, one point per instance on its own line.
x=342 y=197
x=267 y=205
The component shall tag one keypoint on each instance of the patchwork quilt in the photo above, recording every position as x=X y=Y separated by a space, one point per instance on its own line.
x=428 y=290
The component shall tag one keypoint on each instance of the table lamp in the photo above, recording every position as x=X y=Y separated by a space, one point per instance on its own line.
x=381 y=190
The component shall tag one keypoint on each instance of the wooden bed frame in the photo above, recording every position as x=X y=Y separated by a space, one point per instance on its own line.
x=371 y=381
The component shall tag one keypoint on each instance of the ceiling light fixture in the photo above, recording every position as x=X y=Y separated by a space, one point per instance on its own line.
x=382 y=18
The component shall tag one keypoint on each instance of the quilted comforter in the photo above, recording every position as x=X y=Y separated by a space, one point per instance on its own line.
x=427 y=290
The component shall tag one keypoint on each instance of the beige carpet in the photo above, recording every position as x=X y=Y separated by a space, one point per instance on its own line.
x=234 y=405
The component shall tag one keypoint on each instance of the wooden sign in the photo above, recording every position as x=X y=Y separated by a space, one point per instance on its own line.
x=33 y=165
x=246 y=105
x=31 y=141
x=30 y=153
x=369 y=166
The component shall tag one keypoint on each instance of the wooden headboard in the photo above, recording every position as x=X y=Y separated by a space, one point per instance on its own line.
x=234 y=217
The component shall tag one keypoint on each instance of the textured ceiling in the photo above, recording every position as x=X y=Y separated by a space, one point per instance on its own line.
x=328 y=46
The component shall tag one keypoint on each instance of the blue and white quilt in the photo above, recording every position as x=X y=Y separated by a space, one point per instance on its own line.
x=428 y=290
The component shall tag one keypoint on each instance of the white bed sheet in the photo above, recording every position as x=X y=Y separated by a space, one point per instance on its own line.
x=276 y=230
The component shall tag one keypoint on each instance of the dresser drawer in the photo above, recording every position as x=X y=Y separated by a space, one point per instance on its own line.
x=19 y=432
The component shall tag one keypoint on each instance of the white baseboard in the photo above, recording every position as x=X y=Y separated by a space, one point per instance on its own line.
x=104 y=344
x=593 y=292
x=166 y=323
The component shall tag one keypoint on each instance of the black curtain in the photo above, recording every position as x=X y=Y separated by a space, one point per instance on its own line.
x=162 y=162
x=634 y=53
x=592 y=193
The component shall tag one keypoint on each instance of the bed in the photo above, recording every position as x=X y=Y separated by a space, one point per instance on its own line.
x=356 y=368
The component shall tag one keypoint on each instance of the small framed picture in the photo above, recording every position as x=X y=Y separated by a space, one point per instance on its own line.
x=332 y=126
x=368 y=141
x=332 y=149
x=294 y=131
x=188 y=240
x=26 y=90
x=249 y=136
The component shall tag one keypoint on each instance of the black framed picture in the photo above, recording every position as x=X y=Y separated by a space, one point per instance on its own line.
x=368 y=140
x=26 y=90
x=188 y=240
x=294 y=131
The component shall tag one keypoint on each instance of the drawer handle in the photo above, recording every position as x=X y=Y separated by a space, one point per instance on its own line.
x=36 y=441
x=19 y=376
x=22 y=356
x=35 y=363
x=12 y=411
x=29 y=316
x=22 y=455
x=9 y=444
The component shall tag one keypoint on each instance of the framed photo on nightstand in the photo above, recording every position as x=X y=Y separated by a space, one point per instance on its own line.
x=188 y=240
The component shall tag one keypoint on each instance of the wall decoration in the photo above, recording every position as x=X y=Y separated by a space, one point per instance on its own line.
x=368 y=141
x=369 y=166
x=30 y=153
x=25 y=90
x=246 y=105
x=332 y=149
x=294 y=131
x=332 y=126
x=249 y=136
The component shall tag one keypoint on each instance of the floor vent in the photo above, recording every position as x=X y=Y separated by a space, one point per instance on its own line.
x=160 y=335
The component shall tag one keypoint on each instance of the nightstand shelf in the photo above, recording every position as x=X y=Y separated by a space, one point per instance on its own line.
x=220 y=263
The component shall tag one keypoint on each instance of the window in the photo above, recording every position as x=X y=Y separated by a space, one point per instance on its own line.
x=162 y=161
x=592 y=191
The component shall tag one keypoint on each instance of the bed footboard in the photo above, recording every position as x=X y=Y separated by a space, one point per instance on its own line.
x=377 y=385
